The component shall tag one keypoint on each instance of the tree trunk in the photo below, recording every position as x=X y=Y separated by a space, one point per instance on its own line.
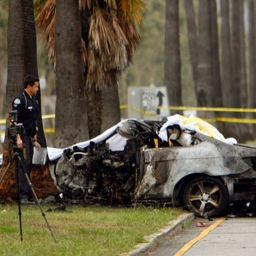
x=236 y=49
x=3 y=65
x=217 y=95
x=231 y=129
x=94 y=104
x=243 y=85
x=245 y=128
x=226 y=54
x=16 y=62
x=216 y=79
x=111 y=114
x=252 y=57
x=16 y=65
x=172 y=72
x=71 y=108
x=205 y=88
x=251 y=62
x=192 y=38
x=18 y=30
x=30 y=56
x=238 y=67
x=15 y=76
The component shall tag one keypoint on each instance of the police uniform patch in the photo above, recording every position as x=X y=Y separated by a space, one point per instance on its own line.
x=17 y=101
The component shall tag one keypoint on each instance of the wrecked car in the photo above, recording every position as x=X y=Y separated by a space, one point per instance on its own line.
x=170 y=162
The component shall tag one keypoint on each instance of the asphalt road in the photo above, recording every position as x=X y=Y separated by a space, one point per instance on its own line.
x=234 y=236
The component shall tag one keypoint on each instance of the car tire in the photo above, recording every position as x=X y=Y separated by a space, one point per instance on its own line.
x=206 y=197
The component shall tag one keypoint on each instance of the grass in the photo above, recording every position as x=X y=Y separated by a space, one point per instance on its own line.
x=91 y=230
x=251 y=142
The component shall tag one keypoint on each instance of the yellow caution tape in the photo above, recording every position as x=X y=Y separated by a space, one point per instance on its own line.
x=211 y=109
x=180 y=108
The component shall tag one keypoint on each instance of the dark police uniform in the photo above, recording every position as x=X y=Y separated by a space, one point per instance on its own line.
x=28 y=110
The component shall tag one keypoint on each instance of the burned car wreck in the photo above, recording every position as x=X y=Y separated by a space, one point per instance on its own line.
x=168 y=163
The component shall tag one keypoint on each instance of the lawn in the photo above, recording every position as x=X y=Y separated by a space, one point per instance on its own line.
x=79 y=230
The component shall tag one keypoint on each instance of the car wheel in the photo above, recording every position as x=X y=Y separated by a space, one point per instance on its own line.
x=206 y=196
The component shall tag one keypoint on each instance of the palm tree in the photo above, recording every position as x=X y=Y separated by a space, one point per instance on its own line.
x=21 y=61
x=236 y=50
x=22 y=58
x=16 y=62
x=192 y=38
x=239 y=82
x=109 y=38
x=205 y=80
x=30 y=57
x=3 y=50
x=252 y=53
x=172 y=75
x=208 y=86
x=226 y=53
x=70 y=110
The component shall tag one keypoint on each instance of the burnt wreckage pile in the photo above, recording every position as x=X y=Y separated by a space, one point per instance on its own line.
x=96 y=174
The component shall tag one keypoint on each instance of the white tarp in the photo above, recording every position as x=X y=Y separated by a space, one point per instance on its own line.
x=115 y=143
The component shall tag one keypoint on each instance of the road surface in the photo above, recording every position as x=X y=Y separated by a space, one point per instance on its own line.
x=234 y=236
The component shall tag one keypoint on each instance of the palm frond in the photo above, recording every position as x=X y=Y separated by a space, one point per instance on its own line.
x=109 y=38
x=46 y=20
x=132 y=9
x=107 y=44
x=85 y=4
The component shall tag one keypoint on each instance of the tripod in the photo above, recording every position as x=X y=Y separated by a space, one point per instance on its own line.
x=19 y=167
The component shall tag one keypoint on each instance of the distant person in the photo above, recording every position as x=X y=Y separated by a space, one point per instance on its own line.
x=28 y=109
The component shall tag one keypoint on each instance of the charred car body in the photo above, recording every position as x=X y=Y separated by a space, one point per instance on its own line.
x=134 y=163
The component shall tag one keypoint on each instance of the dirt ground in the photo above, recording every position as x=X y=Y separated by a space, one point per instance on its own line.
x=40 y=178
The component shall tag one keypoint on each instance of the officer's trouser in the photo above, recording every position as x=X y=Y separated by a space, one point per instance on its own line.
x=24 y=187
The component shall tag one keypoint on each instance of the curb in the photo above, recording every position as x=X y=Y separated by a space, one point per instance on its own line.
x=173 y=227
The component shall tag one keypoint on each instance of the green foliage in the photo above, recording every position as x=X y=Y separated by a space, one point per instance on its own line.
x=149 y=58
x=81 y=230
x=148 y=63
x=3 y=13
x=3 y=25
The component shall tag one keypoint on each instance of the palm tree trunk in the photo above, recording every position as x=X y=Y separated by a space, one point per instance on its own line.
x=172 y=69
x=238 y=68
x=192 y=38
x=111 y=107
x=22 y=60
x=226 y=67
x=217 y=96
x=243 y=87
x=30 y=56
x=71 y=108
x=94 y=103
x=245 y=128
x=205 y=80
x=236 y=49
x=252 y=54
x=226 y=54
x=16 y=63
x=15 y=76
x=215 y=58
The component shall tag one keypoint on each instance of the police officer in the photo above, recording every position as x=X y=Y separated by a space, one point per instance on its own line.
x=28 y=109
